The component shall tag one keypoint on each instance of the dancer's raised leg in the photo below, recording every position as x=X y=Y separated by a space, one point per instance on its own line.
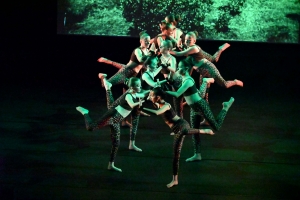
x=115 y=64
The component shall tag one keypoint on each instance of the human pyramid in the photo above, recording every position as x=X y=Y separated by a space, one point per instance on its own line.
x=160 y=55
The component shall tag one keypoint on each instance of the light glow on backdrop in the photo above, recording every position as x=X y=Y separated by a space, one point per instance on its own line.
x=238 y=20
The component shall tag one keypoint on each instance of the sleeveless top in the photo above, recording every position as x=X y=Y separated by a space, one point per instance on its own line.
x=145 y=85
x=191 y=90
x=197 y=56
x=169 y=115
x=165 y=37
x=125 y=105
x=134 y=58
x=165 y=70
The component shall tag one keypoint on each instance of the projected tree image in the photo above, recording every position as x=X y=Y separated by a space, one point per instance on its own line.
x=242 y=20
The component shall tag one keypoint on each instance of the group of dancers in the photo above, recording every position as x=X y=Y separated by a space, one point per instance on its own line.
x=161 y=55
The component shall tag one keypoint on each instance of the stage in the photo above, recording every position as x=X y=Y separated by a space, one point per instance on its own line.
x=46 y=152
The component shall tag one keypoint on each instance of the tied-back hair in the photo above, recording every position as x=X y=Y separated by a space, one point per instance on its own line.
x=158 y=91
x=172 y=18
x=148 y=59
x=194 y=34
x=143 y=34
x=132 y=80
x=168 y=43
x=167 y=26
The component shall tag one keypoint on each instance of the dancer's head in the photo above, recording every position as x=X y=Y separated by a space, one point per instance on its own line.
x=151 y=63
x=167 y=29
x=156 y=95
x=144 y=39
x=134 y=83
x=162 y=24
x=173 y=19
x=191 y=38
x=184 y=66
x=165 y=46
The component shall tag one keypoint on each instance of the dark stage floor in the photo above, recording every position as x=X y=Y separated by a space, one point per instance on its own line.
x=46 y=152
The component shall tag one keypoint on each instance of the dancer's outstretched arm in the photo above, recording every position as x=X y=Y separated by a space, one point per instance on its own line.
x=130 y=101
x=186 y=84
x=139 y=54
x=186 y=52
x=143 y=94
x=150 y=81
x=157 y=70
x=160 y=111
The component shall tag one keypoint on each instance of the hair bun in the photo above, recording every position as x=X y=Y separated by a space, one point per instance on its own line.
x=196 y=33
x=142 y=32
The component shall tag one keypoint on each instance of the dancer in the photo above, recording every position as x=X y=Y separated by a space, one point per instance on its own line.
x=148 y=81
x=174 y=79
x=198 y=104
x=177 y=34
x=118 y=110
x=201 y=64
x=178 y=125
x=166 y=34
x=134 y=65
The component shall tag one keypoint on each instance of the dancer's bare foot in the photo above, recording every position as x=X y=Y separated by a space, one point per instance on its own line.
x=224 y=46
x=239 y=83
x=82 y=110
x=111 y=166
x=107 y=85
x=206 y=131
x=173 y=182
x=227 y=104
x=102 y=59
x=133 y=147
x=209 y=80
x=195 y=157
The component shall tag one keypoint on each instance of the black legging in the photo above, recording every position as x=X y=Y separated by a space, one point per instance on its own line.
x=181 y=128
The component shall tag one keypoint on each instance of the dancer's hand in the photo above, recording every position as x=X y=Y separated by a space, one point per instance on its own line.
x=141 y=101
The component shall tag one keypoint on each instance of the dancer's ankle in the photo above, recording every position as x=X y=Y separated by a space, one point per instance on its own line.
x=133 y=147
x=228 y=104
x=111 y=166
x=173 y=182
x=195 y=157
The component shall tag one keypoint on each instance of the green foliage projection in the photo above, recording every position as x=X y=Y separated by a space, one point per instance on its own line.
x=146 y=14
x=101 y=17
x=243 y=20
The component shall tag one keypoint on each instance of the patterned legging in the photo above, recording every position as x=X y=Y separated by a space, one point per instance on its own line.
x=196 y=117
x=181 y=128
x=200 y=110
x=178 y=102
x=211 y=58
x=203 y=107
x=111 y=118
x=135 y=113
x=208 y=69
x=135 y=117
x=121 y=75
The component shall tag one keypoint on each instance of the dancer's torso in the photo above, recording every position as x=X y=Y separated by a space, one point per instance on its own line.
x=191 y=95
x=124 y=108
x=145 y=85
